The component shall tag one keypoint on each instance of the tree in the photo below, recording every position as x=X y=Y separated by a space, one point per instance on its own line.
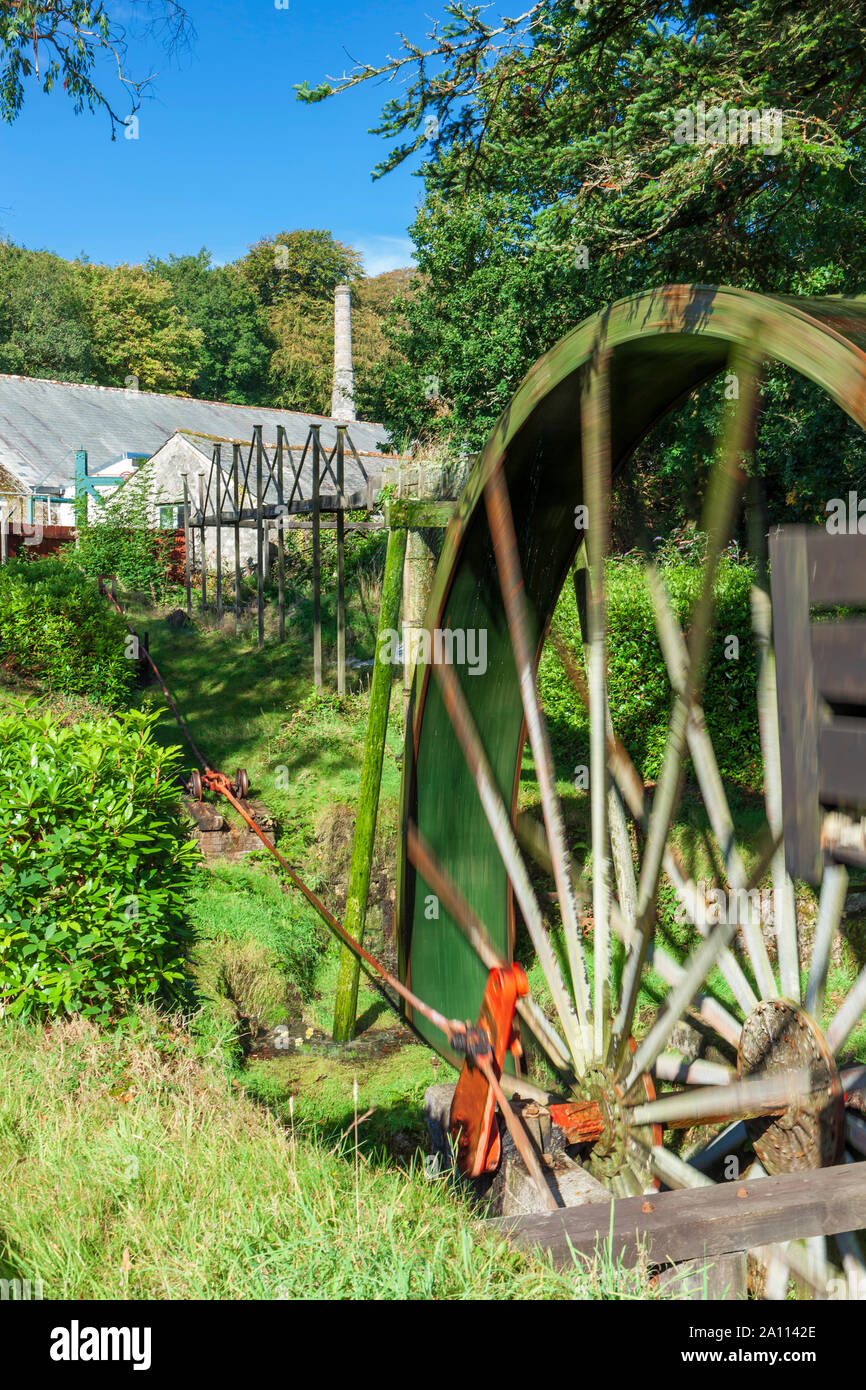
x=51 y=41
x=44 y=325
x=308 y=262
x=560 y=176
x=293 y=275
x=141 y=338
x=220 y=302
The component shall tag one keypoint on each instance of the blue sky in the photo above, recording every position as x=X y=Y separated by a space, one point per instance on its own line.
x=226 y=153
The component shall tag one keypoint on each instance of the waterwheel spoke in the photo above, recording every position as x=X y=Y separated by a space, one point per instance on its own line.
x=714 y=1014
x=760 y=1095
x=784 y=900
x=728 y=1141
x=451 y=898
x=852 y=1263
x=672 y=1066
x=511 y=581
x=725 y=490
x=628 y=782
x=834 y=886
x=696 y=969
x=849 y=1015
x=700 y=746
x=500 y=824
x=595 y=463
x=674 y=1171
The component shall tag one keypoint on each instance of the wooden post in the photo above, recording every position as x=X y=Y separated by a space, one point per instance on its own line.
x=317 y=563
x=341 y=563
x=187 y=541
x=218 y=472
x=4 y=515
x=259 y=525
x=203 y=542
x=281 y=538
x=236 y=463
x=346 y=1005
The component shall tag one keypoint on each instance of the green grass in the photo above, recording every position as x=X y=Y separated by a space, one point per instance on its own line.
x=134 y=1169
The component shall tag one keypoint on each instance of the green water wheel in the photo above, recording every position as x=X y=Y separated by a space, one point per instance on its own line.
x=770 y=1085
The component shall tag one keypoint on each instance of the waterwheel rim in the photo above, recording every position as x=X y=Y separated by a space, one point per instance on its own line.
x=577 y=416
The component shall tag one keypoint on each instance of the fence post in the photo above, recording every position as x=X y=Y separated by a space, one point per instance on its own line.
x=341 y=563
x=186 y=546
x=259 y=524
x=346 y=1006
x=317 y=563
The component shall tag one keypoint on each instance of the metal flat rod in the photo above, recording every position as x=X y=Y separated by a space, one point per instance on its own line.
x=454 y=903
x=834 y=886
x=521 y=1138
x=500 y=824
x=511 y=583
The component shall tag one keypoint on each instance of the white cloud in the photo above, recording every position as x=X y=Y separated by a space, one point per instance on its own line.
x=383 y=253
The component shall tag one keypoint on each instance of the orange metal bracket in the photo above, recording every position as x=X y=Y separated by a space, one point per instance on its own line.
x=473 y=1110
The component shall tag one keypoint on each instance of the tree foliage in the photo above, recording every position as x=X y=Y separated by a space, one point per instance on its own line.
x=559 y=177
x=44 y=43
x=219 y=302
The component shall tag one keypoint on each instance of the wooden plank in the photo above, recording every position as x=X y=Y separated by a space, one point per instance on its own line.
x=836 y=566
x=417 y=515
x=696 y=1222
x=797 y=702
x=842 y=763
x=839 y=659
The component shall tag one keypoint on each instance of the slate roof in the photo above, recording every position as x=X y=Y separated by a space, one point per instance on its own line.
x=42 y=423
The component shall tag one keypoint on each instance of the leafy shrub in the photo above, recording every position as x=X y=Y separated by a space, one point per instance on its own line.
x=640 y=692
x=93 y=866
x=54 y=625
x=118 y=537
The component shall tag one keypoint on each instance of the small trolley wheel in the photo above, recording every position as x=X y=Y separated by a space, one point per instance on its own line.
x=242 y=783
x=194 y=785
